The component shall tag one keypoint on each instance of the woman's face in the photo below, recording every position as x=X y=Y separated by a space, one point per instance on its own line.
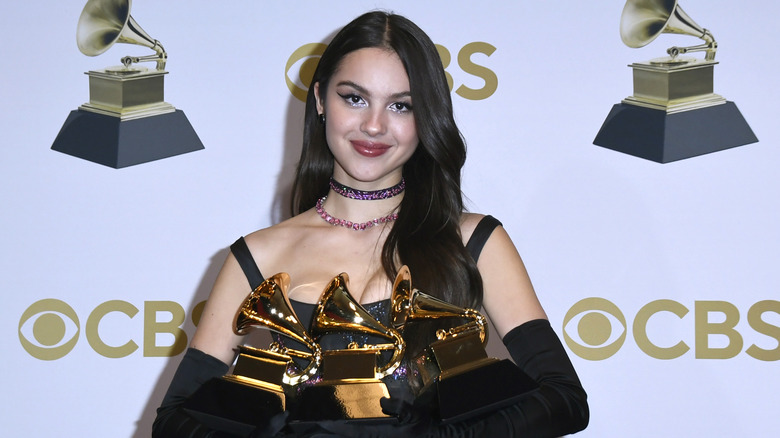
x=369 y=125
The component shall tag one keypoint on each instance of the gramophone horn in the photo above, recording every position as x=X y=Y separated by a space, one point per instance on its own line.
x=643 y=20
x=338 y=311
x=268 y=306
x=412 y=304
x=401 y=298
x=105 y=22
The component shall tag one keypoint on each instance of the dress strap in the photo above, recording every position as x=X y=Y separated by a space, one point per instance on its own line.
x=480 y=235
x=244 y=257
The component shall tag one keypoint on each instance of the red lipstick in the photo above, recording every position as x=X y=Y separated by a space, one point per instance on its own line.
x=369 y=148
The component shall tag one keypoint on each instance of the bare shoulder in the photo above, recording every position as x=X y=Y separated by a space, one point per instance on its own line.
x=267 y=244
x=215 y=335
x=509 y=297
x=284 y=229
x=468 y=223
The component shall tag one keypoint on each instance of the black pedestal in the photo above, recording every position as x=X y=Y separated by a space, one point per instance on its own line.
x=655 y=135
x=483 y=389
x=233 y=407
x=115 y=143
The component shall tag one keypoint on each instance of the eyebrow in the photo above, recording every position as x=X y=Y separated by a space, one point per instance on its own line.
x=366 y=92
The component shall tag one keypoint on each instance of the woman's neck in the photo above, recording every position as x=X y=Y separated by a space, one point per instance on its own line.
x=359 y=210
x=361 y=202
x=367 y=195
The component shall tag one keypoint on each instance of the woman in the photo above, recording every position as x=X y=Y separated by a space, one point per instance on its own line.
x=378 y=187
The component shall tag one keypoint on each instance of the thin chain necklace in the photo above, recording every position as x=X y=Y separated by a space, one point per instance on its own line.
x=357 y=226
x=363 y=195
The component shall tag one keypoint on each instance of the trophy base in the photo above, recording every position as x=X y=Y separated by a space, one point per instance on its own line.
x=486 y=388
x=356 y=400
x=662 y=137
x=117 y=143
x=263 y=368
x=230 y=405
x=127 y=93
x=674 y=85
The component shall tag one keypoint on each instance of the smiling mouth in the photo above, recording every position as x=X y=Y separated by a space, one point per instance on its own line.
x=370 y=149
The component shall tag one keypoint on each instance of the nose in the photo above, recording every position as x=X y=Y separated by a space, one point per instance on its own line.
x=374 y=123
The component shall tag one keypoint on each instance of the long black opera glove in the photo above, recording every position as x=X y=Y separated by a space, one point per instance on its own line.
x=558 y=407
x=172 y=421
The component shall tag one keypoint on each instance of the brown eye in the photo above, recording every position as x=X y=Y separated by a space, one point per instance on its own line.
x=353 y=99
x=401 y=107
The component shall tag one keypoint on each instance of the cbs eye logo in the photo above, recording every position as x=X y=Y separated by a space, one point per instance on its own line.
x=594 y=329
x=49 y=329
x=300 y=67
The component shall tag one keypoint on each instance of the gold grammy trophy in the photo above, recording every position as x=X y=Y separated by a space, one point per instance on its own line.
x=673 y=113
x=256 y=389
x=126 y=120
x=351 y=388
x=456 y=366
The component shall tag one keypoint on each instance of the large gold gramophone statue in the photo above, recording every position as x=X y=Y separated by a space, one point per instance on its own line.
x=351 y=388
x=257 y=388
x=674 y=113
x=126 y=120
x=268 y=307
x=456 y=366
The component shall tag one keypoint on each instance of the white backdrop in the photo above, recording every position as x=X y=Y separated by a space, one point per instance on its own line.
x=123 y=248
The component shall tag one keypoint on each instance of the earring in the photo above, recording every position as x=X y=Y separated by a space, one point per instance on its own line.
x=322 y=118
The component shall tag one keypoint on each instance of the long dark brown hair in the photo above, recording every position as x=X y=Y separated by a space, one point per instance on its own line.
x=426 y=237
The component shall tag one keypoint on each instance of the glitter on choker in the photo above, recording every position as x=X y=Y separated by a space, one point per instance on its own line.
x=357 y=226
x=349 y=192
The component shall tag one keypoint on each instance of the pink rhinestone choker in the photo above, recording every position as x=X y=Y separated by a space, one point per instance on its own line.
x=357 y=226
x=349 y=192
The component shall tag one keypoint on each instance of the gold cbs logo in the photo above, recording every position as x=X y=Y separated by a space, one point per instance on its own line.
x=300 y=67
x=595 y=329
x=49 y=329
